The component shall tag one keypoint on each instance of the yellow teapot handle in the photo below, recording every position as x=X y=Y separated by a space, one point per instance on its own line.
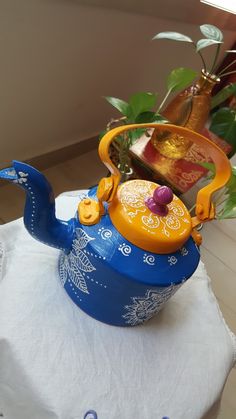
x=204 y=208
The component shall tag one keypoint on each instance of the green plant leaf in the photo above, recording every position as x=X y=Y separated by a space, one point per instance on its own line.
x=174 y=36
x=180 y=78
x=208 y=166
x=231 y=185
x=158 y=118
x=224 y=94
x=146 y=117
x=229 y=209
x=102 y=133
x=119 y=104
x=224 y=125
x=119 y=139
x=136 y=134
x=211 y=32
x=203 y=43
x=141 y=102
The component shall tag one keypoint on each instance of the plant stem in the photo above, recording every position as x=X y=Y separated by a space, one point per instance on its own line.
x=227 y=74
x=124 y=160
x=225 y=218
x=225 y=68
x=163 y=102
x=218 y=202
x=114 y=121
x=201 y=56
x=192 y=208
x=215 y=59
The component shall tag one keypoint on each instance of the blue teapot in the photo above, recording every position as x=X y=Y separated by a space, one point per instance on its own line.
x=130 y=246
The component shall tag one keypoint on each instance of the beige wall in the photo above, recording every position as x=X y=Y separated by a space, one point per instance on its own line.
x=59 y=58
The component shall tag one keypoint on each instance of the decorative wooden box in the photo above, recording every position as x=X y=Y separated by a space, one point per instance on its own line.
x=181 y=174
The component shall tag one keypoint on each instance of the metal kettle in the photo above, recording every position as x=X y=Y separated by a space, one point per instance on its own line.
x=129 y=246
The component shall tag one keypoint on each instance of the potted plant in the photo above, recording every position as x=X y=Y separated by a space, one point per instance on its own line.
x=194 y=103
x=213 y=36
x=139 y=109
x=223 y=119
x=225 y=201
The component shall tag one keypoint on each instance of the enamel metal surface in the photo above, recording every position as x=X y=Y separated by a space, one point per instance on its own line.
x=118 y=283
x=39 y=213
x=138 y=224
x=106 y=275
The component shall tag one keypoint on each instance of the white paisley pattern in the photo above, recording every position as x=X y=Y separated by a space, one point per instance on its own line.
x=132 y=197
x=73 y=265
x=22 y=177
x=177 y=210
x=135 y=193
x=125 y=249
x=172 y=222
x=184 y=251
x=149 y=259
x=143 y=308
x=105 y=233
x=172 y=260
x=151 y=221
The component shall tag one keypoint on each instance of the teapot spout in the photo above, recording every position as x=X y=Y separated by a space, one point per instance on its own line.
x=39 y=213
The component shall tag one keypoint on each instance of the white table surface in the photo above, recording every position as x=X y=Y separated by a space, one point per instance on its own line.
x=58 y=363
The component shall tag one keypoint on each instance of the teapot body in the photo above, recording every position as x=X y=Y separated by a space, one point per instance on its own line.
x=130 y=246
x=117 y=282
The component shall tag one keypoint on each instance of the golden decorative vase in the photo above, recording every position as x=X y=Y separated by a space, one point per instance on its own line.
x=189 y=109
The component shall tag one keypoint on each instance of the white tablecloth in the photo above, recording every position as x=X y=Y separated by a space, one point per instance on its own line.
x=58 y=363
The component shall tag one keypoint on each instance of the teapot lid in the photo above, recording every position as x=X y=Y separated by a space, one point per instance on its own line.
x=150 y=216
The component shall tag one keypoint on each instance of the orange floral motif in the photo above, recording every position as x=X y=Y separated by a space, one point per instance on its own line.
x=181 y=174
x=183 y=179
x=197 y=154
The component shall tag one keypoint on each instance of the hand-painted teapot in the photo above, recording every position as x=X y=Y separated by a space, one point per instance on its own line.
x=130 y=246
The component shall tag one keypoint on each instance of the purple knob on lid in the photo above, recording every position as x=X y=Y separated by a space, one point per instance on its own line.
x=158 y=202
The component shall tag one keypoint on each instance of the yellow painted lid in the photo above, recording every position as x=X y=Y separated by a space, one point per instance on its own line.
x=131 y=215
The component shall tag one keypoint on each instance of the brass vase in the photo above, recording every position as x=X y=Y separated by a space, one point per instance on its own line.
x=189 y=109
